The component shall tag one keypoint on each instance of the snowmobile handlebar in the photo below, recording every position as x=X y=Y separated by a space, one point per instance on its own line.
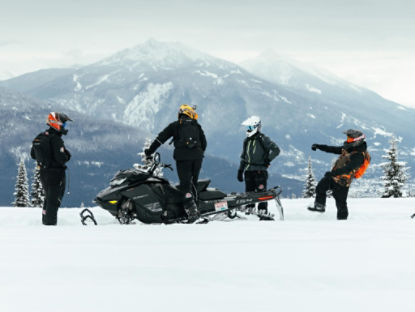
x=156 y=164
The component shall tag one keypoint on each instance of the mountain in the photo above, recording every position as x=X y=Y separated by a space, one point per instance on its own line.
x=99 y=149
x=142 y=87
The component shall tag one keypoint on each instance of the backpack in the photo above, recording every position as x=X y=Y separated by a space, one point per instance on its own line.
x=361 y=171
x=188 y=134
x=42 y=149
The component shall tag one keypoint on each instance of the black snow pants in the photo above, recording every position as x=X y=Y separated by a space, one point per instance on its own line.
x=188 y=172
x=256 y=181
x=53 y=183
x=339 y=194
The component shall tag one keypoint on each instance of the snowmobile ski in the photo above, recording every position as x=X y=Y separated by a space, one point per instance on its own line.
x=87 y=214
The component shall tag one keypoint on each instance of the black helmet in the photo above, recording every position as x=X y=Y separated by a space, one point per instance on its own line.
x=354 y=138
x=58 y=121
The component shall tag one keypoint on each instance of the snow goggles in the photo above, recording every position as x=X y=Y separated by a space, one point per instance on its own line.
x=250 y=128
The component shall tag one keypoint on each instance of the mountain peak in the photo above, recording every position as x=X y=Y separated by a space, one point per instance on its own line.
x=156 y=53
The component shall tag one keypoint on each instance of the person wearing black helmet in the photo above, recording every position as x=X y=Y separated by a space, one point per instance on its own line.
x=189 y=147
x=49 y=151
x=352 y=157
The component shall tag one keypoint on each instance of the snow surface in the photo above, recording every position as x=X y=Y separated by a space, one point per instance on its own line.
x=309 y=262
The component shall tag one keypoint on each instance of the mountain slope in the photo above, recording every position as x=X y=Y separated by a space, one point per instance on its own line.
x=143 y=87
x=99 y=149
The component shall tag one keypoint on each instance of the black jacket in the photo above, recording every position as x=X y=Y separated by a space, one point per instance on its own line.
x=257 y=153
x=180 y=152
x=59 y=155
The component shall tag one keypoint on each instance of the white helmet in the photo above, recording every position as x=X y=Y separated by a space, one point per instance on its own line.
x=253 y=125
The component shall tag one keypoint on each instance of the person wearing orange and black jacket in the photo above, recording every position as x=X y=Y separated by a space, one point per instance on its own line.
x=49 y=151
x=340 y=177
x=190 y=145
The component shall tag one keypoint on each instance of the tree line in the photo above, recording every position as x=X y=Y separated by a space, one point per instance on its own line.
x=395 y=177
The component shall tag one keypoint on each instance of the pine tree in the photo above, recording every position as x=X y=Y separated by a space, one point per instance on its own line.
x=395 y=172
x=37 y=192
x=146 y=163
x=21 y=192
x=310 y=182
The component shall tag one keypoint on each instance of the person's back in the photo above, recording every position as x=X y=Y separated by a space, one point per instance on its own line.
x=190 y=143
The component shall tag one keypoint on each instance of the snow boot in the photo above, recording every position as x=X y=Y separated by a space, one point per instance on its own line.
x=317 y=207
x=264 y=215
x=249 y=209
x=191 y=210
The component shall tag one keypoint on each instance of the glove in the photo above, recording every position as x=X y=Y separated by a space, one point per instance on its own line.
x=267 y=163
x=328 y=174
x=315 y=147
x=147 y=152
x=240 y=175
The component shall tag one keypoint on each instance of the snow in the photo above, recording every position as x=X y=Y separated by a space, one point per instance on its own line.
x=98 y=82
x=309 y=262
x=381 y=132
x=142 y=108
x=313 y=89
x=78 y=85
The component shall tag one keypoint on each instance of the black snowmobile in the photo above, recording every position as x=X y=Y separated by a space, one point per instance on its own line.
x=140 y=194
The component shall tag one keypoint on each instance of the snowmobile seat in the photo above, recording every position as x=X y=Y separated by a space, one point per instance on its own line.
x=201 y=185
x=211 y=194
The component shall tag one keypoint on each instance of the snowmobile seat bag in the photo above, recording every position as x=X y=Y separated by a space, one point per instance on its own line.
x=202 y=185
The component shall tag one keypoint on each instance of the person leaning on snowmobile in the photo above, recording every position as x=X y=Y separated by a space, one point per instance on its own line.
x=51 y=155
x=257 y=153
x=352 y=156
x=190 y=145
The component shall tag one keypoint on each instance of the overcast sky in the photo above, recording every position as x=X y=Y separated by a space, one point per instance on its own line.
x=368 y=42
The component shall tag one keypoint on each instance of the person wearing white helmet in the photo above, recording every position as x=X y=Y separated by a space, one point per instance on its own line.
x=257 y=153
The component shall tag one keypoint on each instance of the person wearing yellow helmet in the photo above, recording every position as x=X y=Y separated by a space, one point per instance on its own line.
x=189 y=147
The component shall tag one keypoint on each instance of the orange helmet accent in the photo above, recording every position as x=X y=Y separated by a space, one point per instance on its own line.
x=57 y=121
x=54 y=122
x=188 y=111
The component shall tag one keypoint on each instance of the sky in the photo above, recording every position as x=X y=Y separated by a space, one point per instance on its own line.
x=368 y=42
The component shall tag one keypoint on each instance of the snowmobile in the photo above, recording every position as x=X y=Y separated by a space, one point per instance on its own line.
x=139 y=194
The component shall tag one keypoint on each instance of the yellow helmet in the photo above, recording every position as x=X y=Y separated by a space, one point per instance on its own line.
x=188 y=111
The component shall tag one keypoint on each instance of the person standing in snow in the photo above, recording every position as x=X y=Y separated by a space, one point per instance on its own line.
x=257 y=153
x=49 y=151
x=190 y=145
x=352 y=157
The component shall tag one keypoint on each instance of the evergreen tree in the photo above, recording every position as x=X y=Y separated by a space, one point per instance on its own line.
x=146 y=163
x=395 y=172
x=310 y=182
x=21 y=192
x=37 y=192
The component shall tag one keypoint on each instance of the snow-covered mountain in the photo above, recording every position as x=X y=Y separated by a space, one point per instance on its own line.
x=143 y=86
x=99 y=149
